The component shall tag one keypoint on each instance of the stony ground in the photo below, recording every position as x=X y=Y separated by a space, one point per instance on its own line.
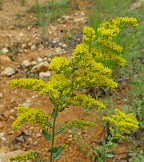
x=23 y=54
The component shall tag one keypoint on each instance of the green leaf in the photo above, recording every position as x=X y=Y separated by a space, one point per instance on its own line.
x=60 y=130
x=47 y=135
x=53 y=150
x=54 y=113
x=59 y=151
x=52 y=100
x=49 y=124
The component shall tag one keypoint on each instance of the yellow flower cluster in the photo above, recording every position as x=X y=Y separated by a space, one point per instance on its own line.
x=79 y=124
x=122 y=123
x=58 y=63
x=25 y=157
x=88 y=79
x=89 y=34
x=28 y=83
x=86 y=101
x=91 y=65
x=30 y=115
x=102 y=55
x=112 y=45
x=81 y=49
x=57 y=84
x=113 y=27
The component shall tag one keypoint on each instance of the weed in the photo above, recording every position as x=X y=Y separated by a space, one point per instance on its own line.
x=83 y=71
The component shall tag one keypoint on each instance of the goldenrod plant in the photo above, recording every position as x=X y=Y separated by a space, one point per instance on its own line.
x=84 y=70
x=122 y=124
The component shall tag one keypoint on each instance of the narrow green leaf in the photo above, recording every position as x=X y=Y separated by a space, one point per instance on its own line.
x=53 y=150
x=47 y=135
x=49 y=125
x=60 y=130
x=59 y=151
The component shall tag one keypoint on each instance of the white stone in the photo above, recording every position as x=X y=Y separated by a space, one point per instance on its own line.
x=1 y=95
x=4 y=50
x=2 y=134
x=8 y=71
x=33 y=47
x=26 y=63
x=45 y=75
x=42 y=66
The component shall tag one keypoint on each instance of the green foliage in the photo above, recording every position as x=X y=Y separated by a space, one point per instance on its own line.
x=86 y=69
x=101 y=152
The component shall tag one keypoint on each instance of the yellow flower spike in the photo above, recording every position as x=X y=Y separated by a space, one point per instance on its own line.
x=86 y=101
x=89 y=34
x=112 y=45
x=79 y=124
x=28 y=83
x=113 y=27
x=81 y=49
x=32 y=115
x=59 y=63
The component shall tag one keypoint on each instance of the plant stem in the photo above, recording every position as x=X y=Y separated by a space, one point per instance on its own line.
x=53 y=138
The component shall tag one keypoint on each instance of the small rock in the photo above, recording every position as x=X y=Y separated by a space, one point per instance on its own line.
x=4 y=50
x=9 y=71
x=33 y=47
x=39 y=59
x=2 y=134
x=20 y=138
x=1 y=95
x=3 y=139
x=38 y=135
x=41 y=67
x=6 y=114
x=30 y=140
x=35 y=143
x=12 y=117
x=26 y=63
x=45 y=75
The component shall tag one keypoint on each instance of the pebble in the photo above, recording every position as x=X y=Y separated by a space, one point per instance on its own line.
x=4 y=50
x=12 y=117
x=9 y=71
x=20 y=138
x=35 y=143
x=30 y=140
x=26 y=63
x=33 y=47
x=3 y=139
x=1 y=95
x=41 y=67
x=2 y=134
x=38 y=135
x=45 y=75
x=6 y=114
